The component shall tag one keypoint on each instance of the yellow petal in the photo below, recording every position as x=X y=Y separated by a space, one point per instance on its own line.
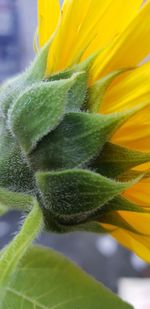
x=143 y=167
x=135 y=133
x=73 y=17
x=112 y=18
x=128 y=90
x=139 y=240
x=83 y=21
x=115 y=19
x=139 y=244
x=139 y=193
x=48 y=15
x=129 y=48
x=139 y=221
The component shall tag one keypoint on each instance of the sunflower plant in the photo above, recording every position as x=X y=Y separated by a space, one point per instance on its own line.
x=75 y=148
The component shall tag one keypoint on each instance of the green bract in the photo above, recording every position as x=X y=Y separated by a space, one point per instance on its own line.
x=54 y=148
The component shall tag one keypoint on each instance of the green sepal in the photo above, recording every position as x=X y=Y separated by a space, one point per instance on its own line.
x=97 y=91
x=77 y=193
x=114 y=160
x=110 y=214
x=10 y=91
x=60 y=75
x=118 y=203
x=77 y=93
x=78 y=138
x=57 y=225
x=36 y=71
x=13 y=88
x=15 y=173
x=93 y=226
x=132 y=174
x=83 y=66
x=38 y=111
x=115 y=219
x=86 y=64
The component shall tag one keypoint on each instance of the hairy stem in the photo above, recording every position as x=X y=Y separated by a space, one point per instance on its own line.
x=14 y=201
x=13 y=253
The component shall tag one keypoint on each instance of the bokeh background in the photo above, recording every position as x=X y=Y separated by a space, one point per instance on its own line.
x=98 y=255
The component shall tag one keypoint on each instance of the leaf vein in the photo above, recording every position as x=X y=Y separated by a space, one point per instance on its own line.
x=28 y=298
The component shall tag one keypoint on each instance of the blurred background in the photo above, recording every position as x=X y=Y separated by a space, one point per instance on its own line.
x=100 y=256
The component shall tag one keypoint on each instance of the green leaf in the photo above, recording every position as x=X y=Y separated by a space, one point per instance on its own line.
x=38 y=111
x=97 y=91
x=47 y=280
x=72 y=194
x=78 y=138
x=114 y=160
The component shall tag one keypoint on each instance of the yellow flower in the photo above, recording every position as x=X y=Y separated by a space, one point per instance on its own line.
x=119 y=31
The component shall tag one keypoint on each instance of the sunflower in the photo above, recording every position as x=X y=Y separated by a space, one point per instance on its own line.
x=117 y=33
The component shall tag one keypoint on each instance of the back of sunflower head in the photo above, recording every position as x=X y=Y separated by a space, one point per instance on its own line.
x=52 y=143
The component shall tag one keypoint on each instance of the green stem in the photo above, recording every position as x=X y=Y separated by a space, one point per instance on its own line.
x=15 y=201
x=13 y=253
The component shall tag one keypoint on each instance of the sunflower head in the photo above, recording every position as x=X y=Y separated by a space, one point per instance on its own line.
x=74 y=125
